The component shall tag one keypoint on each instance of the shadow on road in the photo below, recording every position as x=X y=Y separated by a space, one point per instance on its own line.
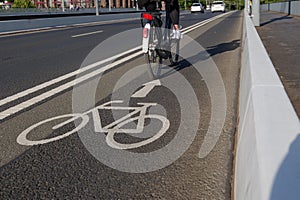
x=223 y=47
x=287 y=180
x=276 y=19
x=203 y=55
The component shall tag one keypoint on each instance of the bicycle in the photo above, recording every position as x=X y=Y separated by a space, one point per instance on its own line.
x=111 y=129
x=158 y=44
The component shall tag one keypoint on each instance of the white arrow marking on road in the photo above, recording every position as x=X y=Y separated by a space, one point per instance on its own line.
x=146 y=89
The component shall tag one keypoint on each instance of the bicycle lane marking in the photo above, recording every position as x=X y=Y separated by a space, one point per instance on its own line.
x=111 y=129
x=146 y=89
x=22 y=139
x=17 y=108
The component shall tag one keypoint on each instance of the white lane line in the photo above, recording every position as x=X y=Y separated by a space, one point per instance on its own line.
x=27 y=30
x=85 y=34
x=15 y=109
x=202 y=23
x=207 y=21
x=61 y=26
x=61 y=78
x=12 y=110
x=106 y=22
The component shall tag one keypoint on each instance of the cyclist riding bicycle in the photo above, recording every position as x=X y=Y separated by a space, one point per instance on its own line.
x=172 y=9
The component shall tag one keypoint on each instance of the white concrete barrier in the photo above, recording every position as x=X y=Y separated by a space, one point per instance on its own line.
x=280 y=7
x=268 y=146
x=295 y=8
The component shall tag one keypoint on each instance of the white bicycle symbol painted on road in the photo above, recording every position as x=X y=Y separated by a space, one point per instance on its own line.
x=111 y=129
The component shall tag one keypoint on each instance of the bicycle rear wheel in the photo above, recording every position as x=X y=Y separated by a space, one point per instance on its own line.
x=153 y=59
x=154 y=63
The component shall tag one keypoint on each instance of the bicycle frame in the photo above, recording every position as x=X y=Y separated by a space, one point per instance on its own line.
x=108 y=106
x=158 y=44
x=151 y=17
x=136 y=115
x=113 y=126
x=111 y=129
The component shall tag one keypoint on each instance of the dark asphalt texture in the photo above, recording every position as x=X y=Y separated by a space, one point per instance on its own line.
x=29 y=60
x=280 y=35
x=66 y=170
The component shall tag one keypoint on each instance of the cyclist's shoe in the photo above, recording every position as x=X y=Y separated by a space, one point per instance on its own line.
x=163 y=53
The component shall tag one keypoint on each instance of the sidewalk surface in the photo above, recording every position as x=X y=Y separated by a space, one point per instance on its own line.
x=280 y=35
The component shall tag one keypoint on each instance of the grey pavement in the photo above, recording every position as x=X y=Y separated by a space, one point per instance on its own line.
x=280 y=35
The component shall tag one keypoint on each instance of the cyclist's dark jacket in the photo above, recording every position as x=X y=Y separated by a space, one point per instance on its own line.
x=172 y=7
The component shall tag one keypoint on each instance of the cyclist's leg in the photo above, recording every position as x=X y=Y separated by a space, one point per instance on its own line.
x=173 y=11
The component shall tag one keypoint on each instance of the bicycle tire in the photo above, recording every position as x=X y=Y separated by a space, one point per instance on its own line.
x=153 y=60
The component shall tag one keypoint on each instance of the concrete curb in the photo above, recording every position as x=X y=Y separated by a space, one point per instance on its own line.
x=268 y=126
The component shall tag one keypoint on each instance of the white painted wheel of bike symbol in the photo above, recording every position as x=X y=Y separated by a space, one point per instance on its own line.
x=101 y=140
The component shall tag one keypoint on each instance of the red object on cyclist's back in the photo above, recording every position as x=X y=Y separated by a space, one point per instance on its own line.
x=147 y=16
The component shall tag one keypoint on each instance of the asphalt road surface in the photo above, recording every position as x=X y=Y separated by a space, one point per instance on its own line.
x=179 y=143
